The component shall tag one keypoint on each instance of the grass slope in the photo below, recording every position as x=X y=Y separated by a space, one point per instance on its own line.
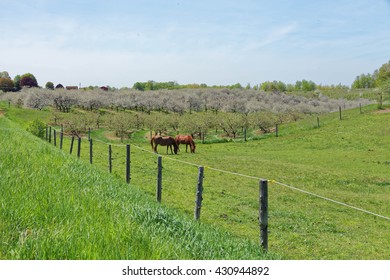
x=54 y=206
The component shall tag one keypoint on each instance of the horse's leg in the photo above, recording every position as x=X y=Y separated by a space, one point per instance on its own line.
x=155 y=148
x=186 y=147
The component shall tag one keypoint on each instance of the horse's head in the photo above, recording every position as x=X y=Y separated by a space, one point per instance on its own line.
x=193 y=147
x=175 y=148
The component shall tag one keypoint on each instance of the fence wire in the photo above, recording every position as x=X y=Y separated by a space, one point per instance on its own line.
x=238 y=174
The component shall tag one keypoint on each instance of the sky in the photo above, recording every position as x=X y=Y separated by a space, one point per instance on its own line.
x=120 y=42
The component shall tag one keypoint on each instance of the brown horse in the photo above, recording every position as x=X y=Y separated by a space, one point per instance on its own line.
x=164 y=141
x=186 y=139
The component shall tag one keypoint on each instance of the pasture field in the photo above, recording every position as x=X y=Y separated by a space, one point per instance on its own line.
x=54 y=206
x=346 y=161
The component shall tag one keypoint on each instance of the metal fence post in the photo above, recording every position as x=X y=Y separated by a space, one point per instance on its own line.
x=159 y=178
x=199 y=191
x=128 y=163
x=263 y=214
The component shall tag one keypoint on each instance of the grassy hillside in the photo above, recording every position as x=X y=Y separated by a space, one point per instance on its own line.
x=54 y=206
x=346 y=161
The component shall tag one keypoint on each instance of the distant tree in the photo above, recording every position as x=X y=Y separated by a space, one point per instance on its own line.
x=364 y=81
x=149 y=85
x=76 y=124
x=290 y=87
x=231 y=123
x=273 y=86
x=38 y=100
x=157 y=122
x=49 y=85
x=17 y=83
x=4 y=74
x=308 y=85
x=207 y=121
x=28 y=80
x=384 y=91
x=305 y=85
x=237 y=86
x=6 y=84
x=120 y=123
x=64 y=101
x=265 y=121
x=383 y=74
x=139 y=86
x=298 y=85
x=55 y=116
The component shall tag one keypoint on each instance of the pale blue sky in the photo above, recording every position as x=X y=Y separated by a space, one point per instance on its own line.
x=218 y=42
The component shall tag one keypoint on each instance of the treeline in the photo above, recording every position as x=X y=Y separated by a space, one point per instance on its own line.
x=16 y=84
x=280 y=86
x=380 y=78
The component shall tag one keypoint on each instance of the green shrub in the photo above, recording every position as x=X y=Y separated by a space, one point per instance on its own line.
x=37 y=128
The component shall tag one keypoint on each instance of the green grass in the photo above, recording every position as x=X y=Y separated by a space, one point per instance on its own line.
x=345 y=160
x=54 y=206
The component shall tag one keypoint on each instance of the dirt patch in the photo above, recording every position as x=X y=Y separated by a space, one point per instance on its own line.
x=110 y=135
x=383 y=111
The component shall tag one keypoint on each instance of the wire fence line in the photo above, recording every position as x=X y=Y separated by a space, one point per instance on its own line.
x=331 y=200
x=254 y=178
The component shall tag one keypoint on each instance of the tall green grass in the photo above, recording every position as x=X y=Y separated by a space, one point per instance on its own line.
x=54 y=206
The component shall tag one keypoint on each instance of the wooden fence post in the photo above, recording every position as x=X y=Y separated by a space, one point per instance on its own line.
x=263 y=214
x=55 y=137
x=318 y=121
x=159 y=178
x=90 y=150
x=277 y=130
x=61 y=136
x=71 y=145
x=110 y=158
x=199 y=191
x=78 y=147
x=49 y=134
x=340 y=112
x=128 y=163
